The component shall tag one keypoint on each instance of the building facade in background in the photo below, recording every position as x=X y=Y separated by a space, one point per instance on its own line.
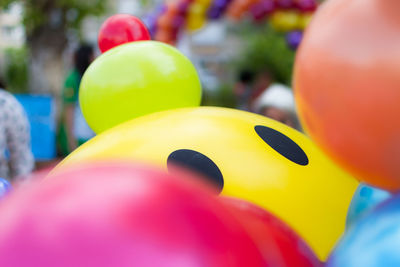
x=12 y=32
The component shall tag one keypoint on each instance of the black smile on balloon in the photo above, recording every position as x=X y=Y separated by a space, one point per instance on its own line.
x=199 y=163
x=283 y=145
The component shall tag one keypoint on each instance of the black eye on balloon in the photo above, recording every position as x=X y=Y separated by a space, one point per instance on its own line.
x=283 y=145
x=199 y=163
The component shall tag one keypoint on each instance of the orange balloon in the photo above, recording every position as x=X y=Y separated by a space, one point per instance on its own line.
x=165 y=37
x=234 y=13
x=347 y=83
x=245 y=4
x=165 y=22
x=238 y=7
x=173 y=8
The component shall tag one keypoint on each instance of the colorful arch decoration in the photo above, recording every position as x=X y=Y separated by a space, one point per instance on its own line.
x=173 y=17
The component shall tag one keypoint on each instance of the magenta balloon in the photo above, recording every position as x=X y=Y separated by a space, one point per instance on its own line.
x=183 y=7
x=268 y=6
x=262 y=9
x=285 y=4
x=178 y=22
x=121 y=215
x=307 y=5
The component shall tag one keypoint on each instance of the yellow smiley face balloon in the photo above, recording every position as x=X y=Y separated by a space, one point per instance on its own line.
x=247 y=156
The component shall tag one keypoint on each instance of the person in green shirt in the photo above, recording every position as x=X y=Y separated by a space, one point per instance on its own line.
x=74 y=130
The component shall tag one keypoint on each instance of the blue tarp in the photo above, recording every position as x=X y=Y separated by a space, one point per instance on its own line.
x=41 y=115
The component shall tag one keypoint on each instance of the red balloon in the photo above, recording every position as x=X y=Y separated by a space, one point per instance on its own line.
x=280 y=245
x=347 y=84
x=121 y=29
x=121 y=215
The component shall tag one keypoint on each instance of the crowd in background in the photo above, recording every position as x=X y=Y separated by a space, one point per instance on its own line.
x=258 y=93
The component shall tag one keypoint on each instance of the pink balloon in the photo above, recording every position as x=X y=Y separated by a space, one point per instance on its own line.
x=121 y=215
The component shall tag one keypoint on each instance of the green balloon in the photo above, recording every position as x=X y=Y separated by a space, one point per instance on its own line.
x=136 y=79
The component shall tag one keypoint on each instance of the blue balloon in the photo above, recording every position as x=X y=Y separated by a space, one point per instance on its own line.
x=365 y=199
x=374 y=241
x=217 y=9
x=5 y=187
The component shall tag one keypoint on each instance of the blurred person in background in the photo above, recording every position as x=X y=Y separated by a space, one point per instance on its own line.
x=16 y=158
x=243 y=89
x=277 y=102
x=264 y=79
x=74 y=130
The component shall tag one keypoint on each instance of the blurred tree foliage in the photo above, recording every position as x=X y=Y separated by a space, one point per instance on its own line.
x=262 y=49
x=62 y=14
x=47 y=24
x=16 y=70
x=265 y=49
x=221 y=97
